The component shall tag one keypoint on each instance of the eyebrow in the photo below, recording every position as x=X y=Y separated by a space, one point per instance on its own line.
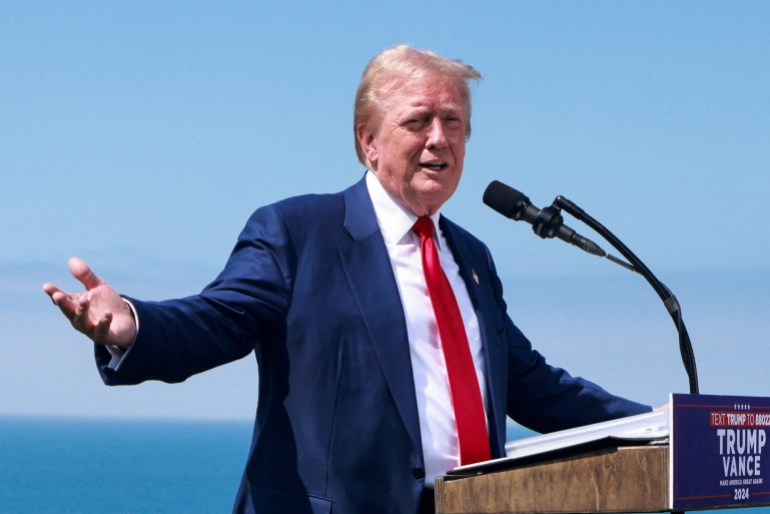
x=452 y=107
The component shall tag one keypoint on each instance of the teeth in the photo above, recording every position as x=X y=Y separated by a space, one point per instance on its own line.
x=436 y=165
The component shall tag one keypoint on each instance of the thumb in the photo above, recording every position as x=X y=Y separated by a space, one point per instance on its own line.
x=83 y=273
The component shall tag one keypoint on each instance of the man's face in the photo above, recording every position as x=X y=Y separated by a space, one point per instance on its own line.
x=417 y=151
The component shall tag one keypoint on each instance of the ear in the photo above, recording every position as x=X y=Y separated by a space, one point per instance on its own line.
x=368 y=141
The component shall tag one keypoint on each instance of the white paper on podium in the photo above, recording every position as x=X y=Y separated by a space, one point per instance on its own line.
x=652 y=426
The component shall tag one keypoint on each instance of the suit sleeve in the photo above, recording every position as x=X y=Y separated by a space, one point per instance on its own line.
x=546 y=398
x=243 y=307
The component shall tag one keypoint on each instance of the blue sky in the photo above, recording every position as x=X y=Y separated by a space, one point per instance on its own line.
x=140 y=136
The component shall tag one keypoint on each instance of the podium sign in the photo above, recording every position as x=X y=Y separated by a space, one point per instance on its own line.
x=717 y=457
x=720 y=451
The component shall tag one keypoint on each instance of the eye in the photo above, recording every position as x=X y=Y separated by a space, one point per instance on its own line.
x=453 y=121
x=415 y=123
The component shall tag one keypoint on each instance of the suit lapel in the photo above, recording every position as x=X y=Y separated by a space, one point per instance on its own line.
x=371 y=280
x=474 y=271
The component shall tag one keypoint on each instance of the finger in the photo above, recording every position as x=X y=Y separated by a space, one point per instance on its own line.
x=102 y=328
x=66 y=303
x=79 y=317
x=50 y=289
x=83 y=273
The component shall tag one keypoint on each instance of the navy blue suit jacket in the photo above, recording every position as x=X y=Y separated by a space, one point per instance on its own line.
x=310 y=289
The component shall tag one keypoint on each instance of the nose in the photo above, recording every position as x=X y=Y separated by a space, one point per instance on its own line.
x=436 y=134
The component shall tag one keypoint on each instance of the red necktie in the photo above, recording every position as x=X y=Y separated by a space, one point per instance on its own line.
x=463 y=382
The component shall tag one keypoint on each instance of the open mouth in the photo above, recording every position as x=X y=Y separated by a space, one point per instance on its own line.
x=434 y=166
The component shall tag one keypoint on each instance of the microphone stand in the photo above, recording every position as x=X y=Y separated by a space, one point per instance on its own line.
x=669 y=300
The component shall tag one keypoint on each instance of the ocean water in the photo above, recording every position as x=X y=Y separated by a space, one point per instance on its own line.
x=95 y=466
x=56 y=465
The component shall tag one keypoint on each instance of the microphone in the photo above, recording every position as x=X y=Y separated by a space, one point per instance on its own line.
x=546 y=223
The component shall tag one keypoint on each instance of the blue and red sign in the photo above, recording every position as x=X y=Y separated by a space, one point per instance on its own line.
x=720 y=451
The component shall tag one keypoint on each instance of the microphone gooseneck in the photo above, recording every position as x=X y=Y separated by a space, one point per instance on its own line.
x=549 y=222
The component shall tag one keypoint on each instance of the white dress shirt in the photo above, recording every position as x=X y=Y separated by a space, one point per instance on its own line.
x=438 y=429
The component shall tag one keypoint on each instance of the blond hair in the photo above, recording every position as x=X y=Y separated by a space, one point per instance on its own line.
x=404 y=62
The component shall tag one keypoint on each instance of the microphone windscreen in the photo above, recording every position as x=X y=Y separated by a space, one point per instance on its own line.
x=504 y=199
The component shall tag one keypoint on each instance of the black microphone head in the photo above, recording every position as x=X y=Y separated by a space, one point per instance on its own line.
x=506 y=200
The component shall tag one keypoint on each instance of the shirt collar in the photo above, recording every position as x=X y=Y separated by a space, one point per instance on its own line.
x=395 y=220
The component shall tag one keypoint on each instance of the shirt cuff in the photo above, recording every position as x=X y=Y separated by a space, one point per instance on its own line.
x=117 y=353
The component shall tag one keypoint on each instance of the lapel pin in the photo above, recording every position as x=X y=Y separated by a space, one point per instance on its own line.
x=475 y=276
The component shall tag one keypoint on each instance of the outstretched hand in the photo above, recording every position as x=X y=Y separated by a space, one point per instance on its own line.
x=99 y=312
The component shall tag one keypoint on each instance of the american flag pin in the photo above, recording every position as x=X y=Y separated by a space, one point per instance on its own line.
x=475 y=276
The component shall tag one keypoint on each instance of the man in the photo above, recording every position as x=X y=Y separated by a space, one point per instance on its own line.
x=336 y=294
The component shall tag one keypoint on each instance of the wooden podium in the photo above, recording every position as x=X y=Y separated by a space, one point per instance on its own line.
x=622 y=479
x=706 y=452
